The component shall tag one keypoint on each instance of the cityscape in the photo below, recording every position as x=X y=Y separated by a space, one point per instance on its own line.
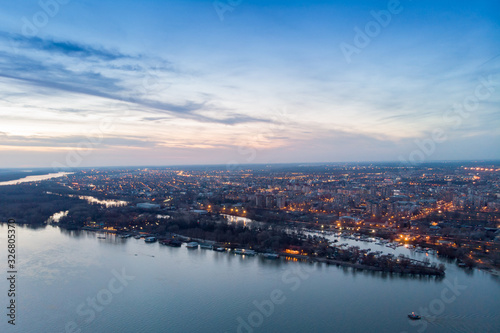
x=224 y=166
x=405 y=221
x=447 y=208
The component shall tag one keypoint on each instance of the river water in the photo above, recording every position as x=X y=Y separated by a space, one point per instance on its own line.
x=72 y=281
x=35 y=178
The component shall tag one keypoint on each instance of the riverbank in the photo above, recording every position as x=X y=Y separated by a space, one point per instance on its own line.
x=352 y=257
x=13 y=174
x=420 y=271
x=34 y=178
x=65 y=268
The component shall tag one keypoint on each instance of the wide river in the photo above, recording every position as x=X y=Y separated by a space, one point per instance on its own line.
x=35 y=178
x=76 y=282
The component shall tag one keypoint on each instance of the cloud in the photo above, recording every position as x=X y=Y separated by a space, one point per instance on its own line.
x=99 y=73
x=67 y=48
x=406 y=116
x=89 y=81
x=59 y=78
x=73 y=141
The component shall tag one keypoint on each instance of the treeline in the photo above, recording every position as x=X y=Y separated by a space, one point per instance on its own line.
x=386 y=263
x=210 y=227
x=13 y=174
x=236 y=234
x=30 y=204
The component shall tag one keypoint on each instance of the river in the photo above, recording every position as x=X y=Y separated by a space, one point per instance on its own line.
x=238 y=219
x=35 y=178
x=72 y=280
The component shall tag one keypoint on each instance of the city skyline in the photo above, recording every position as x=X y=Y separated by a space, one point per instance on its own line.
x=236 y=82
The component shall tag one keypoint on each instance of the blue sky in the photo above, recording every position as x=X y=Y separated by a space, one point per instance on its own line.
x=192 y=82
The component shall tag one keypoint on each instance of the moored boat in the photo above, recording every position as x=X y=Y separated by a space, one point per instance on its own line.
x=271 y=255
x=495 y=272
x=175 y=243
x=150 y=239
x=192 y=245
x=245 y=252
x=171 y=242
x=414 y=316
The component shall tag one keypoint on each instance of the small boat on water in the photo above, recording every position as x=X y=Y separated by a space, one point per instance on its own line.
x=192 y=245
x=175 y=243
x=124 y=236
x=495 y=273
x=150 y=239
x=205 y=246
x=245 y=252
x=414 y=316
x=137 y=237
x=171 y=242
x=271 y=255
x=219 y=249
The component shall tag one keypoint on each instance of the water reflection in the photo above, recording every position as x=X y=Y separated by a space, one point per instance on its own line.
x=90 y=199
x=107 y=203
x=112 y=239
x=57 y=216
x=54 y=261
x=238 y=219
x=32 y=226
x=35 y=178
x=65 y=267
x=73 y=233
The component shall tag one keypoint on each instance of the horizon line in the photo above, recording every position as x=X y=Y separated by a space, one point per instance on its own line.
x=260 y=164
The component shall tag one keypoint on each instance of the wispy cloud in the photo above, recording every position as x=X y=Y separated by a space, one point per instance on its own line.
x=67 y=48
x=177 y=82
x=104 y=80
x=72 y=141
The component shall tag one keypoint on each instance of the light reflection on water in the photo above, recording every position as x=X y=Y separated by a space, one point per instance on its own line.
x=57 y=216
x=35 y=178
x=237 y=219
x=181 y=290
x=90 y=199
x=107 y=203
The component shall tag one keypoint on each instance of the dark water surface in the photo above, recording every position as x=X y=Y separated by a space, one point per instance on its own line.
x=73 y=281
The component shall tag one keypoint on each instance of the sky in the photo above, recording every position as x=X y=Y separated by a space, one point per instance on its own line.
x=160 y=82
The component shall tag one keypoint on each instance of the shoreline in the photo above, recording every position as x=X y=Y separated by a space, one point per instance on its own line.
x=423 y=271
x=35 y=178
x=430 y=271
